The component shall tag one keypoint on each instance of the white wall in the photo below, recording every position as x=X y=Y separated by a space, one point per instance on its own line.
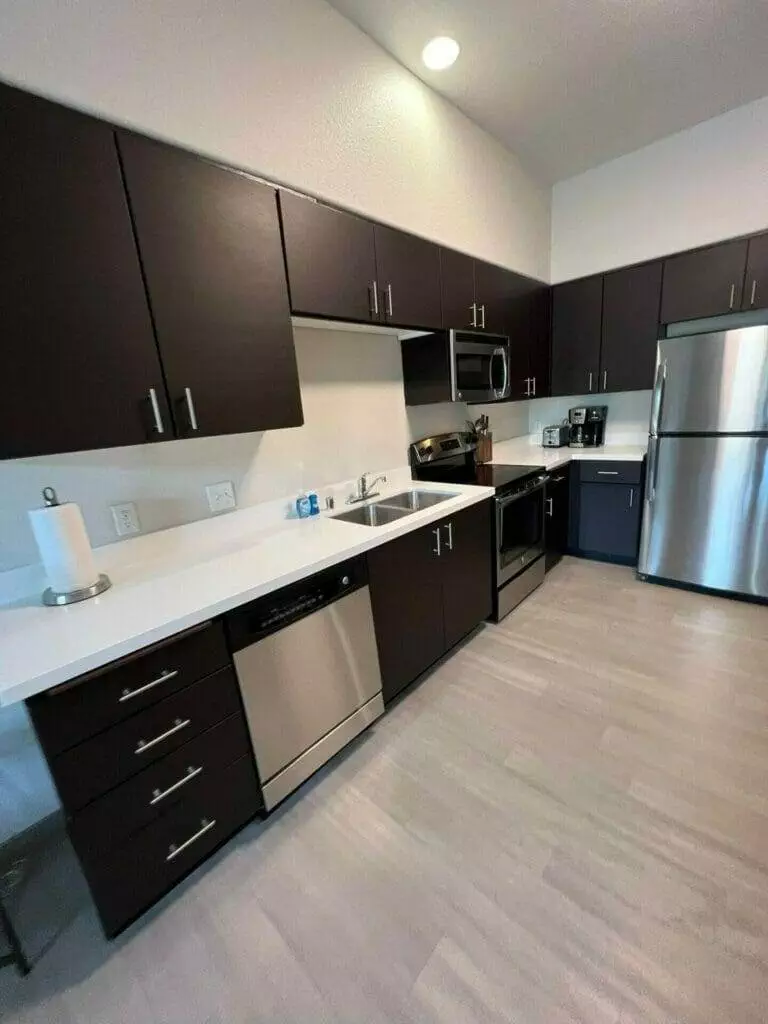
x=292 y=91
x=629 y=414
x=698 y=186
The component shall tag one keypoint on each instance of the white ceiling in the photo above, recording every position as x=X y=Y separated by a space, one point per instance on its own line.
x=568 y=84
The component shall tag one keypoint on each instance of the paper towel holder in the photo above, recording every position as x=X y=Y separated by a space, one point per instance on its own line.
x=53 y=597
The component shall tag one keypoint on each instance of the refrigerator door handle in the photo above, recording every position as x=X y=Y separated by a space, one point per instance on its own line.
x=653 y=460
x=658 y=396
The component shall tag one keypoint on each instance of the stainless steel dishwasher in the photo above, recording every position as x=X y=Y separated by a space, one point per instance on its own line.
x=308 y=668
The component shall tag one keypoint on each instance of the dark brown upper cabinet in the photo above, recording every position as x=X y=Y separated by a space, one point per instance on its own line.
x=577 y=308
x=458 y=290
x=756 y=282
x=331 y=260
x=408 y=276
x=494 y=287
x=80 y=363
x=527 y=324
x=210 y=245
x=630 y=327
x=704 y=283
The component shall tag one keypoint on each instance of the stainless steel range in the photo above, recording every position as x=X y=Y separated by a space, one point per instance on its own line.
x=519 y=537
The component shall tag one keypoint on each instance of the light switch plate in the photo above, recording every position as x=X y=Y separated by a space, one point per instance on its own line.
x=221 y=497
x=126 y=519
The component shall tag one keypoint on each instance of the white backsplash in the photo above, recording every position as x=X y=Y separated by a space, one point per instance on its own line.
x=629 y=414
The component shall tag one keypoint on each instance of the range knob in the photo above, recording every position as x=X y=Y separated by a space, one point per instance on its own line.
x=345 y=581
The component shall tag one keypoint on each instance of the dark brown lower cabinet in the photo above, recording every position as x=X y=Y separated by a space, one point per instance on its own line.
x=428 y=590
x=557 y=511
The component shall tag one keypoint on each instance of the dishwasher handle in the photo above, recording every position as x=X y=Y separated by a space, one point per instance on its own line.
x=266 y=615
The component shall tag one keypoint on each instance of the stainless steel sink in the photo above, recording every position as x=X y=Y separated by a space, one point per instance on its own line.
x=373 y=515
x=416 y=500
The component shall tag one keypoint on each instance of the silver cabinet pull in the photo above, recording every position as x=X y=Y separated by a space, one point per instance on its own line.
x=482 y=317
x=533 y=381
x=590 y=382
x=159 y=428
x=373 y=298
x=605 y=380
x=190 y=409
x=607 y=472
x=631 y=496
x=159 y=795
x=162 y=678
x=436 y=549
x=557 y=479
x=527 y=387
x=205 y=826
x=473 y=308
x=550 y=507
x=389 y=301
x=449 y=542
x=179 y=724
x=733 y=296
x=754 y=292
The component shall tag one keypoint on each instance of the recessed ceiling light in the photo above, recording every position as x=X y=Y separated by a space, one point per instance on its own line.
x=440 y=53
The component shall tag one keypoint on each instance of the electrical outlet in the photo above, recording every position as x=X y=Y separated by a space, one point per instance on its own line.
x=126 y=519
x=221 y=497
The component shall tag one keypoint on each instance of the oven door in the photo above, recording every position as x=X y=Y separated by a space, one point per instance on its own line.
x=479 y=367
x=519 y=532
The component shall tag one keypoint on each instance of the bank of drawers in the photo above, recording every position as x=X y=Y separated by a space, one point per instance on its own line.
x=153 y=764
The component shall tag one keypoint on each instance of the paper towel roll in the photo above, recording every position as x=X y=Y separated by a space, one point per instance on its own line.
x=64 y=547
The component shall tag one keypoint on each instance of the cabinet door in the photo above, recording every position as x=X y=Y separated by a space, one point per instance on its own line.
x=466 y=563
x=331 y=260
x=405 y=578
x=493 y=288
x=756 y=282
x=630 y=328
x=408 y=273
x=79 y=355
x=703 y=283
x=528 y=327
x=210 y=244
x=576 y=325
x=457 y=273
x=557 y=509
x=609 y=520
x=539 y=348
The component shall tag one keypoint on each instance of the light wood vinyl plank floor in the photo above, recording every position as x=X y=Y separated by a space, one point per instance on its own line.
x=565 y=823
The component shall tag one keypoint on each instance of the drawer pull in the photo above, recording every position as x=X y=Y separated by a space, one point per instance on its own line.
x=158 y=795
x=607 y=472
x=162 y=678
x=180 y=723
x=174 y=851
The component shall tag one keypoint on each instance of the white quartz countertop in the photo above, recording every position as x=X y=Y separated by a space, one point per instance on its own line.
x=526 y=451
x=166 y=582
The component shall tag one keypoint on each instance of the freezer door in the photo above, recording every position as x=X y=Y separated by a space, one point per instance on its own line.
x=712 y=383
x=705 y=519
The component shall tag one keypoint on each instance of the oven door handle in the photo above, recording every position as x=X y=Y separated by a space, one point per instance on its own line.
x=503 y=502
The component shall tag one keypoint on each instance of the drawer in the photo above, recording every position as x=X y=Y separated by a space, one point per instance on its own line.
x=99 y=764
x=604 y=472
x=75 y=711
x=107 y=822
x=150 y=863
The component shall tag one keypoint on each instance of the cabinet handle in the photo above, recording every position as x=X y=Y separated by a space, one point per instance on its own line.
x=607 y=472
x=159 y=428
x=590 y=382
x=631 y=496
x=473 y=308
x=527 y=387
x=733 y=296
x=436 y=549
x=144 y=745
x=605 y=380
x=191 y=409
x=373 y=299
x=557 y=479
x=754 y=292
x=482 y=317
x=162 y=678
x=533 y=380
x=206 y=826
x=550 y=506
x=449 y=542
x=159 y=795
x=389 y=301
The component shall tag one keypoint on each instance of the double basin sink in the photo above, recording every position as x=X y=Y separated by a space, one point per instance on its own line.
x=389 y=510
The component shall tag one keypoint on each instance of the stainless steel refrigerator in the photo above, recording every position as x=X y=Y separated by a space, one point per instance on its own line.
x=705 y=520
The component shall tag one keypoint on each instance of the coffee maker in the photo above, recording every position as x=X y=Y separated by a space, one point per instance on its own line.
x=587 y=426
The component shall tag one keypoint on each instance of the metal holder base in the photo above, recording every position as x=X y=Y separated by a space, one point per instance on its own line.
x=53 y=597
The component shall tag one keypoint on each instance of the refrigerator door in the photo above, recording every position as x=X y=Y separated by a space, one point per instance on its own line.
x=712 y=383
x=705 y=520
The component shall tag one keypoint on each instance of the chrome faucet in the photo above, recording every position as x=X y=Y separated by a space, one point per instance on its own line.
x=365 y=489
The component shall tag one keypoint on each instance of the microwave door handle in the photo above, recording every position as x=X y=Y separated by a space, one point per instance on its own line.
x=496 y=392
x=504 y=353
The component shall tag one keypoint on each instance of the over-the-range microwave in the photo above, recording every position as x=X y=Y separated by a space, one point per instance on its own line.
x=456 y=366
